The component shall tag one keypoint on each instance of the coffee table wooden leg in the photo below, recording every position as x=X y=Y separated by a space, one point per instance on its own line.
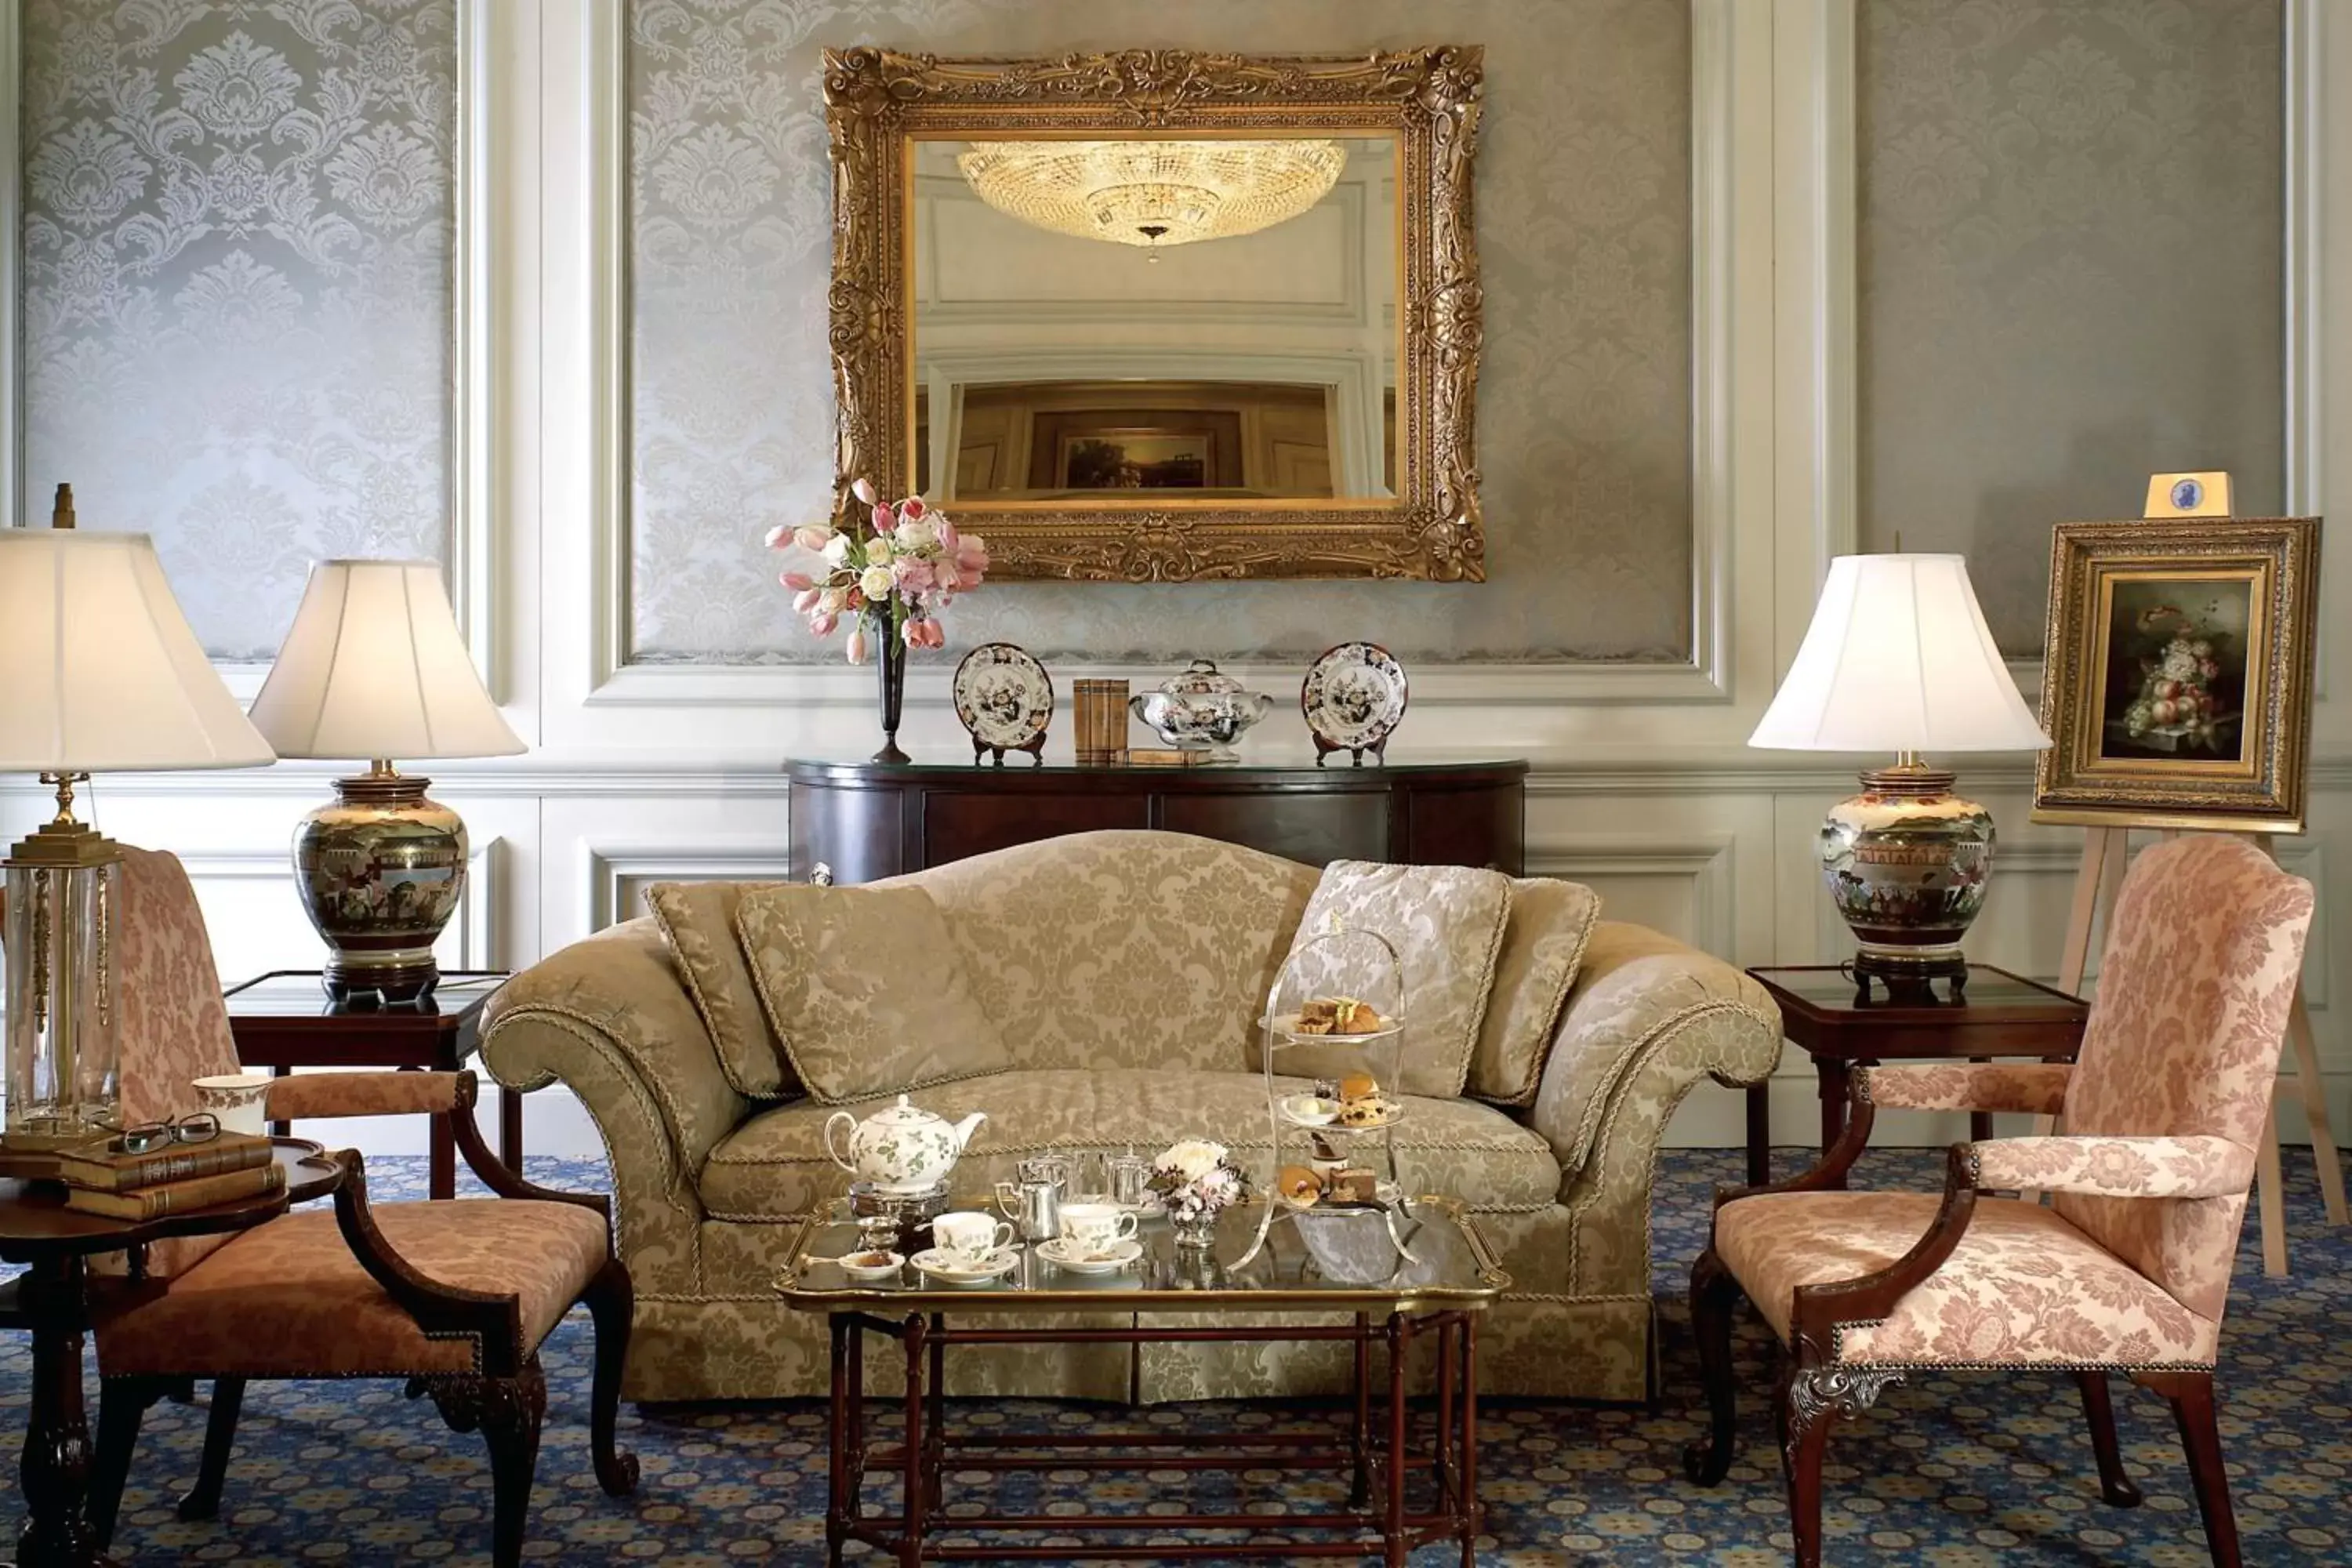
x=917 y=1487
x=1359 y=1490
x=1470 y=1515
x=935 y=1440
x=1392 y=1526
x=1443 y=1434
x=839 y=1506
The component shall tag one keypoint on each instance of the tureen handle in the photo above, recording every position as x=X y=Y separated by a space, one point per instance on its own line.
x=830 y=1122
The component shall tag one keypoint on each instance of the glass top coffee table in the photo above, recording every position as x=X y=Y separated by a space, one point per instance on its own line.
x=1401 y=1495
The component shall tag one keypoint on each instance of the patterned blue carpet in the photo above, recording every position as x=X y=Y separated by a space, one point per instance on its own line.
x=1955 y=1472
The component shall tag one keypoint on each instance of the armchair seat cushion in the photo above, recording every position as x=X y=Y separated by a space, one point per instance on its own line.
x=289 y=1299
x=2023 y=1287
x=774 y=1166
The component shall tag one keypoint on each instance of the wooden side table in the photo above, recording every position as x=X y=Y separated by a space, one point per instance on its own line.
x=285 y=1020
x=53 y=1299
x=1999 y=1015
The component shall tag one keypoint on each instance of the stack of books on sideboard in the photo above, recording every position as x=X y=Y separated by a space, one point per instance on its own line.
x=101 y=1179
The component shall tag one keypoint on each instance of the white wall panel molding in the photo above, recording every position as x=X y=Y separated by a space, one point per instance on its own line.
x=609 y=871
x=1704 y=861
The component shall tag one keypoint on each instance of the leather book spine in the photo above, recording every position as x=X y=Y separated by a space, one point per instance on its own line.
x=178 y=1197
x=179 y=1162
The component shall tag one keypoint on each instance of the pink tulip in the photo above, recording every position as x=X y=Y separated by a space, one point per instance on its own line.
x=797 y=580
x=823 y=625
x=911 y=509
x=914 y=574
x=971 y=553
x=863 y=490
x=884 y=519
x=857 y=643
x=778 y=536
x=812 y=538
x=805 y=600
x=948 y=535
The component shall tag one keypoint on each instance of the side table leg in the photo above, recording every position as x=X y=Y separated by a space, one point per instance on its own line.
x=1837 y=1083
x=1471 y=1518
x=1392 y=1526
x=838 y=1505
x=441 y=1157
x=57 y=1531
x=510 y=1129
x=918 y=1486
x=1359 y=1490
x=1759 y=1134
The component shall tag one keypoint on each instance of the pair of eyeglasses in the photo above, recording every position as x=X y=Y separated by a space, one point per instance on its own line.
x=149 y=1136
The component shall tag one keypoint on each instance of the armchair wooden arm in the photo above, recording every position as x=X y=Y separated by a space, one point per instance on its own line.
x=312 y=1096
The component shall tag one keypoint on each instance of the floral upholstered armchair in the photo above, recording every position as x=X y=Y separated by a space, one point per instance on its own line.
x=454 y=1296
x=2129 y=1268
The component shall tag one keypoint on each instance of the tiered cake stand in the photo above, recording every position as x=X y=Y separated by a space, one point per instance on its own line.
x=1362 y=964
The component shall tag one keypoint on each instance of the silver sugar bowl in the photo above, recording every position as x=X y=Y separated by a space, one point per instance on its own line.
x=1201 y=711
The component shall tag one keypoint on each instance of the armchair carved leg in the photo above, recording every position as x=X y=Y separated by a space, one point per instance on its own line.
x=1714 y=1294
x=202 y=1500
x=122 y=1405
x=1816 y=1398
x=2115 y=1482
x=612 y=1302
x=507 y=1412
x=2190 y=1394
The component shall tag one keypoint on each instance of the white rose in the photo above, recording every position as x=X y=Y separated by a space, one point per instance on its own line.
x=877 y=583
x=915 y=534
x=831 y=600
x=1193 y=1158
x=877 y=551
x=836 y=549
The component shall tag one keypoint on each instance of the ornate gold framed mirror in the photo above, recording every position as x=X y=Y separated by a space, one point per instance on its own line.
x=1158 y=315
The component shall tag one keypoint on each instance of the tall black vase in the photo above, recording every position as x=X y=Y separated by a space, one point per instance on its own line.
x=890 y=668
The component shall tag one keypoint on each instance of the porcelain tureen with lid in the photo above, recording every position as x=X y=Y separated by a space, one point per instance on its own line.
x=1200 y=709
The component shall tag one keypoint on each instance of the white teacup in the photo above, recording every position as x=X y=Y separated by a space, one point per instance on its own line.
x=1097 y=1227
x=238 y=1100
x=970 y=1237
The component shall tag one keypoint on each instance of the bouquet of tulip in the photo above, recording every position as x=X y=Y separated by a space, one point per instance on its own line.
x=892 y=572
x=1198 y=1181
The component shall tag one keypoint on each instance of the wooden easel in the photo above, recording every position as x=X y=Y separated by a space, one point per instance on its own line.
x=2097 y=883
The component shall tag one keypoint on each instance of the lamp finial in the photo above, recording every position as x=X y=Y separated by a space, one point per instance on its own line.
x=61 y=514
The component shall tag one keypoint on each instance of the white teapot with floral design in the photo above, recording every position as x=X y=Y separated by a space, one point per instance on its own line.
x=900 y=1149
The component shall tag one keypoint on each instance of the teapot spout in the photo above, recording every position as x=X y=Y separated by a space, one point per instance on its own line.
x=966 y=1127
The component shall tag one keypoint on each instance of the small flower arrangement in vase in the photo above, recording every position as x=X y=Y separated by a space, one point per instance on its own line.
x=890 y=572
x=1198 y=1181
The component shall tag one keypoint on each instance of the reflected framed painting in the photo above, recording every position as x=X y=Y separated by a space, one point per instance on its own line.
x=2176 y=683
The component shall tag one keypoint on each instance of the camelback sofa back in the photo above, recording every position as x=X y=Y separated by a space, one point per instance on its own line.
x=1124 y=971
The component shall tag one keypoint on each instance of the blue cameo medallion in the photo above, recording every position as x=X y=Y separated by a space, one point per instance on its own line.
x=2187 y=493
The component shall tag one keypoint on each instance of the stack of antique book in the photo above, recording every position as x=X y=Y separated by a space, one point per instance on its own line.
x=104 y=1178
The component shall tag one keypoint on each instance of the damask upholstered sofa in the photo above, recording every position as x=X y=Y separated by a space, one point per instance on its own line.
x=1124 y=971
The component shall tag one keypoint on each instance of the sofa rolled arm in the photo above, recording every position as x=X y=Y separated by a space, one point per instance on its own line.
x=2199 y=1166
x=2037 y=1089
x=1639 y=995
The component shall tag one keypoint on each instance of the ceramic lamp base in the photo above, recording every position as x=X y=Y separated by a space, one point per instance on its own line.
x=381 y=870
x=1906 y=861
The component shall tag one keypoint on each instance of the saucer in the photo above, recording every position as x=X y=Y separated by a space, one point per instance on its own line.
x=942 y=1264
x=886 y=1269
x=1060 y=1253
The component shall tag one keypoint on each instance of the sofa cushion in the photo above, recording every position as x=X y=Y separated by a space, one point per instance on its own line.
x=1543 y=946
x=774 y=1166
x=1123 y=947
x=698 y=920
x=1447 y=924
x=865 y=989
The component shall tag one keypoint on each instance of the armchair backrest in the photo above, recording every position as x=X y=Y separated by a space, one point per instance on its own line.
x=2204 y=952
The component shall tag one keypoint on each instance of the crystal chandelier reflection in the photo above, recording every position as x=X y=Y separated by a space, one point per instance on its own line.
x=1153 y=194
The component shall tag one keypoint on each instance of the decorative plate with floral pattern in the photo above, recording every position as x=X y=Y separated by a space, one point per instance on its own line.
x=1354 y=697
x=1004 y=696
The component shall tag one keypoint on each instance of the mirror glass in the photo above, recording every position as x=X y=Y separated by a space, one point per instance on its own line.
x=1155 y=322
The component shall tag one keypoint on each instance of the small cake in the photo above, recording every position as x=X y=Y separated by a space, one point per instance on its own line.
x=1358 y=1086
x=1338 y=1016
x=1354 y=1185
x=1364 y=1113
x=1299 y=1185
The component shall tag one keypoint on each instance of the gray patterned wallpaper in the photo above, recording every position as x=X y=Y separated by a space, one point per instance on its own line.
x=237 y=262
x=2070 y=271
x=1584 y=411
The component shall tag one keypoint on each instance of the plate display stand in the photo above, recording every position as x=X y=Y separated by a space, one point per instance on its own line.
x=1363 y=965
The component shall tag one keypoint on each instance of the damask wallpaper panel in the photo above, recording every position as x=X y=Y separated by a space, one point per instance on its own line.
x=2070 y=271
x=237 y=217
x=1584 y=215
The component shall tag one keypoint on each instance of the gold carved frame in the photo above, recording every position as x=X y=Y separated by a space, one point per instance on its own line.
x=2262 y=790
x=878 y=102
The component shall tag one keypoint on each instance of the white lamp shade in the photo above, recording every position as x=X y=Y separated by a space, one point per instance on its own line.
x=1898 y=658
x=103 y=674
x=375 y=667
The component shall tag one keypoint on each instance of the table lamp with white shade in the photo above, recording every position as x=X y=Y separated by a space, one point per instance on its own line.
x=1898 y=658
x=104 y=676
x=375 y=667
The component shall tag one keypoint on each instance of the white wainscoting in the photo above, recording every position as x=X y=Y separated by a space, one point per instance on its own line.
x=1642 y=785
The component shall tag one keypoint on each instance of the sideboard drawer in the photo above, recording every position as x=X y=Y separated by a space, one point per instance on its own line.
x=957 y=825
x=1313 y=828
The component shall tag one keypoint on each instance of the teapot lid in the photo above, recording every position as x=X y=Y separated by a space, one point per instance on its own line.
x=1201 y=679
x=901 y=1114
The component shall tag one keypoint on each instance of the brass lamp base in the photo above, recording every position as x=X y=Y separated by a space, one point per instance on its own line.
x=1905 y=861
x=381 y=870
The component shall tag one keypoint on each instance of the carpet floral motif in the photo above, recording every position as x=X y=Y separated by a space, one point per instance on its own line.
x=1966 y=1470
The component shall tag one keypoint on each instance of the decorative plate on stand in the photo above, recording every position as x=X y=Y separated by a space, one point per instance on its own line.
x=1354 y=697
x=1004 y=696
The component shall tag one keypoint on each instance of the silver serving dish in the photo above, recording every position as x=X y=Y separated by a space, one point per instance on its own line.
x=1201 y=711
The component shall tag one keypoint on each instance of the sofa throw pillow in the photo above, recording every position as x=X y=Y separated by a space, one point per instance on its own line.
x=1543 y=947
x=865 y=989
x=1447 y=924
x=698 y=920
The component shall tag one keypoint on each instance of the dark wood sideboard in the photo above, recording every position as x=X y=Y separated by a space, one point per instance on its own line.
x=868 y=820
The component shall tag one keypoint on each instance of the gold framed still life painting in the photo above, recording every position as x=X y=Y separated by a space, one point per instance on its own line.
x=2176 y=683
